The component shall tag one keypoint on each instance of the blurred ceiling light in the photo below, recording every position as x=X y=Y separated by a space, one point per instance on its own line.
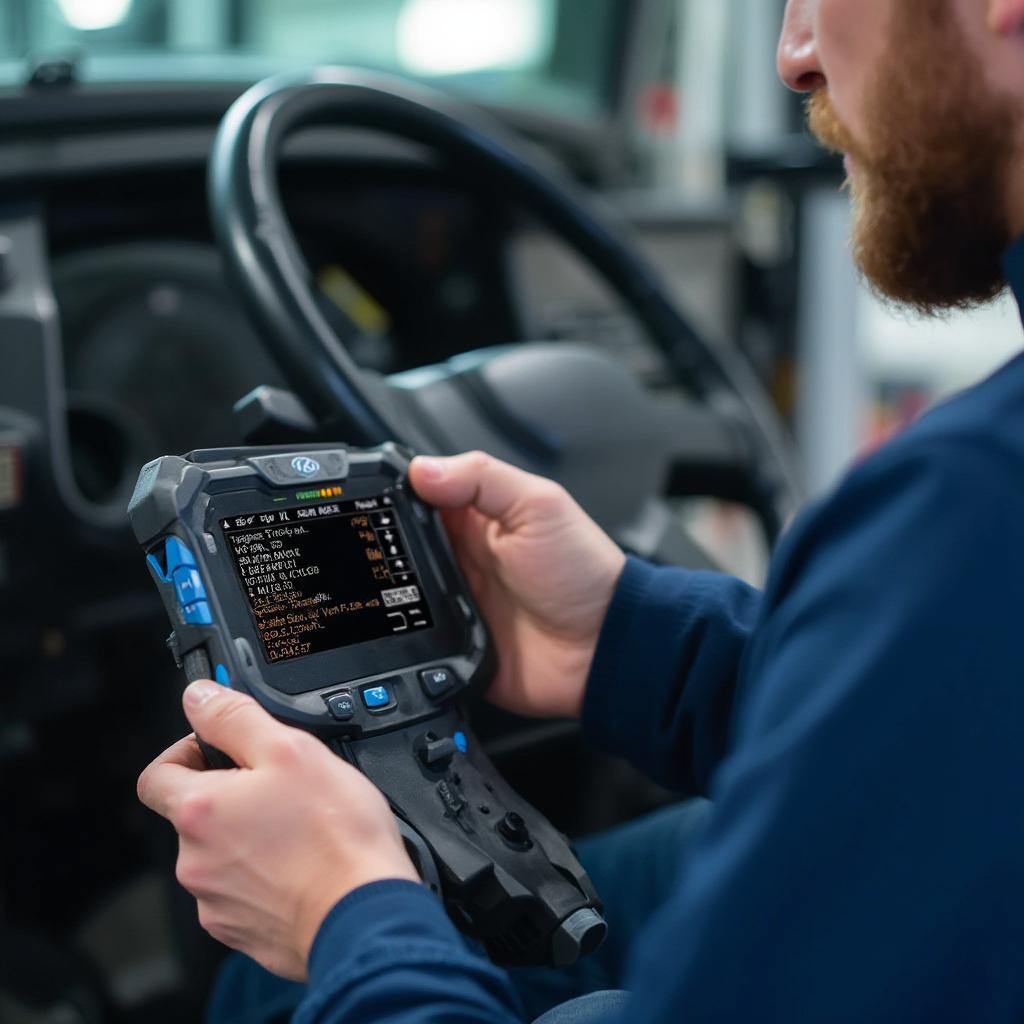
x=89 y=15
x=444 y=37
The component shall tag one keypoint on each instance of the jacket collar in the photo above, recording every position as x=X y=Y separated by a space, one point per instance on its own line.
x=1013 y=269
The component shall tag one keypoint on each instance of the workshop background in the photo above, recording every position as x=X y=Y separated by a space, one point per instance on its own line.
x=669 y=111
x=703 y=127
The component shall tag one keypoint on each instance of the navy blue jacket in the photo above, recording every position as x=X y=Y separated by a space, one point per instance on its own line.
x=860 y=729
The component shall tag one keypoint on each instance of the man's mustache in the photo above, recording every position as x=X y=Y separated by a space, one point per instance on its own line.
x=826 y=127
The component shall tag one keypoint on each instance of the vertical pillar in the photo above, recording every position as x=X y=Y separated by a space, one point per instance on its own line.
x=833 y=384
x=198 y=25
x=702 y=63
x=757 y=101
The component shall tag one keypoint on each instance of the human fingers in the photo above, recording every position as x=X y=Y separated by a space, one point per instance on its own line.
x=185 y=752
x=467 y=532
x=235 y=724
x=163 y=781
x=494 y=488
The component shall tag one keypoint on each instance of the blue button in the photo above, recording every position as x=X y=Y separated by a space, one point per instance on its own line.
x=198 y=614
x=461 y=743
x=375 y=697
x=176 y=554
x=220 y=673
x=188 y=585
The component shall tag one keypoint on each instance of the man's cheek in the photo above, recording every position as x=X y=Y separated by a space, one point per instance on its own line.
x=856 y=27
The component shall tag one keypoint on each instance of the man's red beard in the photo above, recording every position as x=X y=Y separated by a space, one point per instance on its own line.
x=930 y=180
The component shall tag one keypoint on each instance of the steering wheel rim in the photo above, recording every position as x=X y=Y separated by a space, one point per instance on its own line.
x=263 y=258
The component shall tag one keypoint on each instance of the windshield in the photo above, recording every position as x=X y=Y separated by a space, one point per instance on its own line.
x=550 y=55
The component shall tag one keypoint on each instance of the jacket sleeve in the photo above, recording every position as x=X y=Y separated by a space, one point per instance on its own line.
x=663 y=680
x=387 y=952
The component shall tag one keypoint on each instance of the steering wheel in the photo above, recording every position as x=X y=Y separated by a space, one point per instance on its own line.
x=559 y=409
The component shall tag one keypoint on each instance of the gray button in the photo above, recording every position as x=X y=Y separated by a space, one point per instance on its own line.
x=341 y=705
x=436 y=681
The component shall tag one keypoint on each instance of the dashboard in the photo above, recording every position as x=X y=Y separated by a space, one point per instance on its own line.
x=156 y=348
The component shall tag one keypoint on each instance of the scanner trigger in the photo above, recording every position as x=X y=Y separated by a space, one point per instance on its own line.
x=435 y=753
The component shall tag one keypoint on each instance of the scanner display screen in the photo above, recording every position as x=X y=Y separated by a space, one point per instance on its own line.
x=319 y=577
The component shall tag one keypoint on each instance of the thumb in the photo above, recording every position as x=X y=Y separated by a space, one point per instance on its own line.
x=230 y=721
x=494 y=488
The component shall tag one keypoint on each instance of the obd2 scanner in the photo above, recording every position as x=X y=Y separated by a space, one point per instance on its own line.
x=314 y=580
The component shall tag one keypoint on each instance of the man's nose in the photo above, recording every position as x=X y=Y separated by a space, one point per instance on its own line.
x=797 y=60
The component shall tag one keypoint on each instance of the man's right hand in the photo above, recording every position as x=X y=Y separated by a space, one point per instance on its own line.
x=542 y=571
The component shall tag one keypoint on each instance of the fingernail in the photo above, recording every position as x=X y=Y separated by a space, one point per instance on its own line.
x=431 y=468
x=201 y=691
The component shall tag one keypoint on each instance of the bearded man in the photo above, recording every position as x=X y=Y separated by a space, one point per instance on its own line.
x=859 y=726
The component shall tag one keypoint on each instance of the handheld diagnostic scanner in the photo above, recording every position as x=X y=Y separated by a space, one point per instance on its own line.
x=314 y=580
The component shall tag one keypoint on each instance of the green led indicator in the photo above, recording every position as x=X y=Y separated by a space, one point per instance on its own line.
x=333 y=491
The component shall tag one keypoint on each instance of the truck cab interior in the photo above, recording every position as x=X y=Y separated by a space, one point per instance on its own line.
x=452 y=227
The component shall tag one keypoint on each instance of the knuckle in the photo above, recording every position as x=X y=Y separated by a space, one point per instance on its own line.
x=215 y=926
x=548 y=497
x=479 y=460
x=195 y=876
x=208 y=920
x=290 y=747
x=188 y=874
x=193 y=812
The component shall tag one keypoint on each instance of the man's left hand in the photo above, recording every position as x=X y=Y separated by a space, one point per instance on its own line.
x=269 y=847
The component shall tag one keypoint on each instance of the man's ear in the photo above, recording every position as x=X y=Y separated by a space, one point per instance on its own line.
x=1006 y=17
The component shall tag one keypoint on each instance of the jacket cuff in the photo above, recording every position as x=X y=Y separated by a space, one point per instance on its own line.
x=404 y=909
x=631 y=641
